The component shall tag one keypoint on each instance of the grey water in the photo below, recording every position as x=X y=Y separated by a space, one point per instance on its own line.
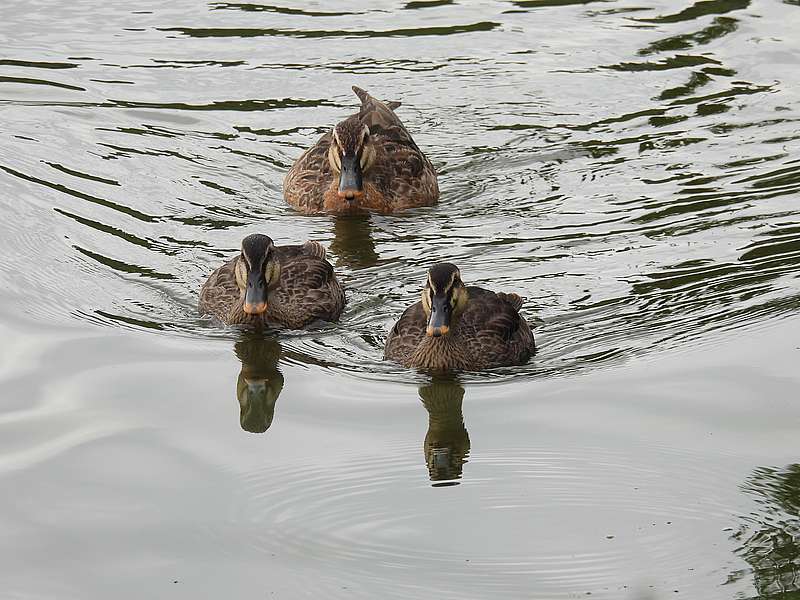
x=630 y=167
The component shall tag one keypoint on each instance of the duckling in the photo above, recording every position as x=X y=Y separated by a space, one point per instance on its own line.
x=368 y=162
x=289 y=286
x=459 y=327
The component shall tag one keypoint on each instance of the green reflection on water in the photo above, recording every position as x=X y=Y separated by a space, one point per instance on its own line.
x=721 y=26
x=701 y=9
x=446 y=441
x=772 y=548
x=353 y=243
x=307 y=33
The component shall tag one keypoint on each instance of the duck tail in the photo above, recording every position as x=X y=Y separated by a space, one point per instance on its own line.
x=514 y=300
x=380 y=116
x=362 y=94
x=312 y=248
x=367 y=101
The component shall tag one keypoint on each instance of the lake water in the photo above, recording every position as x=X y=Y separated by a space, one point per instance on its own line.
x=631 y=167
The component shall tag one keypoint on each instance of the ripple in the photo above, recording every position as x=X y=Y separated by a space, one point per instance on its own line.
x=366 y=516
x=635 y=180
x=769 y=538
x=649 y=222
x=283 y=10
x=411 y=32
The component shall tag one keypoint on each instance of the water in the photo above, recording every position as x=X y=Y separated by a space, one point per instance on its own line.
x=632 y=169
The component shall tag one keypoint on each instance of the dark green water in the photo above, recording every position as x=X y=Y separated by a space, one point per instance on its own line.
x=631 y=168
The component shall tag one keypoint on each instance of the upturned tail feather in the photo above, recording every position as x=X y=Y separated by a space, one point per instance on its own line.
x=375 y=113
x=514 y=300
x=312 y=248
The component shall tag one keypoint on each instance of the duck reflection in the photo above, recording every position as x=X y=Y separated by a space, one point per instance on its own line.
x=352 y=242
x=447 y=441
x=259 y=383
x=770 y=538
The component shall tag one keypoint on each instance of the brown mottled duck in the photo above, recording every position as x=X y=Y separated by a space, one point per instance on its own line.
x=367 y=163
x=288 y=286
x=458 y=327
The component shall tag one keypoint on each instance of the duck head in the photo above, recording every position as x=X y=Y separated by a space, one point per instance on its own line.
x=444 y=298
x=351 y=154
x=257 y=269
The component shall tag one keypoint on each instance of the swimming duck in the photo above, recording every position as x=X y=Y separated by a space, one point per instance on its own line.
x=459 y=327
x=368 y=162
x=289 y=286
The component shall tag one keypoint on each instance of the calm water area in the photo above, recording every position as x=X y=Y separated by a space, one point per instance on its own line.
x=630 y=167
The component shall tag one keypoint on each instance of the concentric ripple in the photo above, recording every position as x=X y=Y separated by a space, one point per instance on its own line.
x=607 y=518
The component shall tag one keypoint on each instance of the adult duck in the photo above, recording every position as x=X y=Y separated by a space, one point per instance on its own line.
x=458 y=327
x=366 y=163
x=288 y=286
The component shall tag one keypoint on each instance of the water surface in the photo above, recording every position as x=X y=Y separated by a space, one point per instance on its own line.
x=631 y=168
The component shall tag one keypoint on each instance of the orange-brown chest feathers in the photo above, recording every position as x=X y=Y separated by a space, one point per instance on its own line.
x=373 y=200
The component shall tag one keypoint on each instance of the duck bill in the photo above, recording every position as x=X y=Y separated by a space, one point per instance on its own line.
x=255 y=296
x=439 y=321
x=351 y=185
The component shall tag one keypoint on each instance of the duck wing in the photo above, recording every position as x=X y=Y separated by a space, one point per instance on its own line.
x=219 y=292
x=309 y=177
x=309 y=289
x=310 y=249
x=406 y=335
x=493 y=329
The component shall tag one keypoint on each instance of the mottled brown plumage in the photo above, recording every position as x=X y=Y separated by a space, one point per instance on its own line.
x=472 y=328
x=390 y=173
x=304 y=288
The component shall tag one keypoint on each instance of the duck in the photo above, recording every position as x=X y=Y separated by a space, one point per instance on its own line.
x=367 y=163
x=265 y=284
x=458 y=327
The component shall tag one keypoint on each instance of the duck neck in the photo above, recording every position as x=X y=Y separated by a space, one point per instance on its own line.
x=440 y=353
